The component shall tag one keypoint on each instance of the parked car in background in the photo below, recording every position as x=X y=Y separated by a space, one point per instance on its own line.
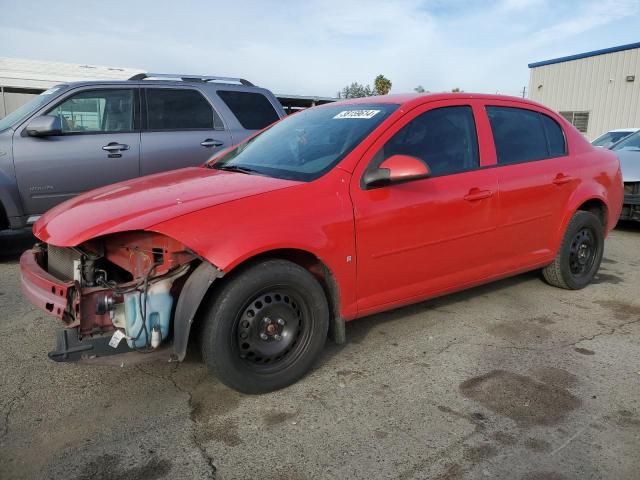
x=628 y=151
x=610 y=138
x=331 y=214
x=79 y=136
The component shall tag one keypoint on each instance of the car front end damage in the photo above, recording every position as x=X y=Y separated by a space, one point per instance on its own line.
x=631 y=204
x=114 y=294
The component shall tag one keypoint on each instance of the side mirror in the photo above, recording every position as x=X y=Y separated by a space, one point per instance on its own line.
x=396 y=169
x=44 y=126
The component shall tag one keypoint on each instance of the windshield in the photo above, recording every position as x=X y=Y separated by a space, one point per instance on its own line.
x=632 y=142
x=609 y=138
x=307 y=144
x=27 y=109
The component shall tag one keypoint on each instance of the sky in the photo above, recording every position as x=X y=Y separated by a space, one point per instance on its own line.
x=311 y=47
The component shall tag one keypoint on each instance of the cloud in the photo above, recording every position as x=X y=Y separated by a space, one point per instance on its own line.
x=317 y=47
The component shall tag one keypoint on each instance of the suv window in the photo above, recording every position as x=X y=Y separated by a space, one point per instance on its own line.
x=444 y=138
x=253 y=110
x=91 y=111
x=180 y=109
x=522 y=135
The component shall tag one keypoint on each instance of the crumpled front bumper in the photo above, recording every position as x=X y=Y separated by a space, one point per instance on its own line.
x=52 y=295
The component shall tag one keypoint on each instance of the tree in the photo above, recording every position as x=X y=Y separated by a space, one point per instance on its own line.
x=356 y=90
x=457 y=90
x=381 y=85
x=420 y=89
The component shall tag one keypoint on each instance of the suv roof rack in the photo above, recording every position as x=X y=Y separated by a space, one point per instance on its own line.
x=191 y=78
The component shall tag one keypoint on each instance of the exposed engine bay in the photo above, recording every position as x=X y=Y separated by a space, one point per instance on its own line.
x=119 y=287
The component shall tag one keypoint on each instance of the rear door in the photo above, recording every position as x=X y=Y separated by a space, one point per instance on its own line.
x=535 y=181
x=99 y=144
x=180 y=129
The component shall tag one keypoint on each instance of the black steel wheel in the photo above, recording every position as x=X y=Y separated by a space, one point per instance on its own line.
x=580 y=253
x=270 y=330
x=265 y=326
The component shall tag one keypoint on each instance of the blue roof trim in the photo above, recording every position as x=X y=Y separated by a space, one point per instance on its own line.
x=593 y=53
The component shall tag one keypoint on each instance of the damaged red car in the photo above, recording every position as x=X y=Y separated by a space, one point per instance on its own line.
x=334 y=213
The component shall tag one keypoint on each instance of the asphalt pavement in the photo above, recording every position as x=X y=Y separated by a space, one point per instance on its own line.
x=511 y=380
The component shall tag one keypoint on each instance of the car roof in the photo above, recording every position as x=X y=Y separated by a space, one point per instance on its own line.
x=632 y=130
x=85 y=83
x=410 y=99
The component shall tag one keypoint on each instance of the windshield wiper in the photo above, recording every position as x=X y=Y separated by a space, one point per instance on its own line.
x=237 y=168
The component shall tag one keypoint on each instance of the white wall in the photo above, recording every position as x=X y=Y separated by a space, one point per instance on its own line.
x=594 y=84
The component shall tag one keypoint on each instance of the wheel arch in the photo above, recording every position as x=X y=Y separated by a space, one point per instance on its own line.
x=4 y=219
x=595 y=204
x=207 y=278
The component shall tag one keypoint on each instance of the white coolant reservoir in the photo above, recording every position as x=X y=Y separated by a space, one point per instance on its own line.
x=158 y=314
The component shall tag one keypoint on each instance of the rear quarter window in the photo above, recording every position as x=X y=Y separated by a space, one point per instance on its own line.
x=522 y=135
x=253 y=110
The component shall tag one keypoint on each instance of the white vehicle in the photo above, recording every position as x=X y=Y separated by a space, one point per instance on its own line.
x=606 y=140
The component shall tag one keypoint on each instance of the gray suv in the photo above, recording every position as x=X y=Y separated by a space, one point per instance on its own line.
x=79 y=136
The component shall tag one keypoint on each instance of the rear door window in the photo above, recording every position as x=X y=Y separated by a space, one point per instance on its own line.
x=180 y=109
x=97 y=111
x=520 y=135
x=555 y=136
x=253 y=110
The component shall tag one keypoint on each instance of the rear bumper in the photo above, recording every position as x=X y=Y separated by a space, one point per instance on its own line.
x=631 y=200
x=631 y=207
x=42 y=289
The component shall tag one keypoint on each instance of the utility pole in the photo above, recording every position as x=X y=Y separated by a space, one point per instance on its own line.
x=524 y=91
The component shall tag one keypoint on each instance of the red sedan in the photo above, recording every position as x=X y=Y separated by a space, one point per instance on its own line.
x=331 y=214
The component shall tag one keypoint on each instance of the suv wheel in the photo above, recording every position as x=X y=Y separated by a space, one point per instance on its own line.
x=580 y=253
x=265 y=327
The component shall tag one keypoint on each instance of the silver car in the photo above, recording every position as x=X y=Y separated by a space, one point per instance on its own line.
x=628 y=151
x=79 y=136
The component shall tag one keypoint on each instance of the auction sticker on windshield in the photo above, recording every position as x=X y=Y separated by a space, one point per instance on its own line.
x=357 y=114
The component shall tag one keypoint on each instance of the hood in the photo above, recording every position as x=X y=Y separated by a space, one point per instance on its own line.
x=140 y=203
x=629 y=164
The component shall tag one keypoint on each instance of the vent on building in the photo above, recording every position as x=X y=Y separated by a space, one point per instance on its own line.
x=580 y=120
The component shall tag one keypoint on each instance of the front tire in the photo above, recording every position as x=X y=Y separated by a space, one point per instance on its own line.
x=580 y=253
x=266 y=327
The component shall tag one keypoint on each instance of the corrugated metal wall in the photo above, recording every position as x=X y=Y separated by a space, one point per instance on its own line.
x=596 y=85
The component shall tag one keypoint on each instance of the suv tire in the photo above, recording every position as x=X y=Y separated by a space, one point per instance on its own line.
x=579 y=255
x=265 y=327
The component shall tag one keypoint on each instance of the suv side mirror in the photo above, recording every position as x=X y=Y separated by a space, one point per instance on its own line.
x=396 y=169
x=44 y=126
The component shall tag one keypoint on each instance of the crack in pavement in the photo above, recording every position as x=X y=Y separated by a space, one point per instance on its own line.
x=611 y=331
x=194 y=437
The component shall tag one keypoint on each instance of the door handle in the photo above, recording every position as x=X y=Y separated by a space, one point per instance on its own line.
x=210 y=142
x=561 y=179
x=115 y=147
x=477 y=194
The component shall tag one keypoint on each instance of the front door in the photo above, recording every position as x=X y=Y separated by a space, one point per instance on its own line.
x=99 y=145
x=181 y=130
x=427 y=236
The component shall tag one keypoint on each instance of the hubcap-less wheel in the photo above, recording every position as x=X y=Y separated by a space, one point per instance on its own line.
x=271 y=329
x=582 y=252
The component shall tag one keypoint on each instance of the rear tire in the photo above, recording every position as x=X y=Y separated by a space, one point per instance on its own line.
x=579 y=255
x=266 y=327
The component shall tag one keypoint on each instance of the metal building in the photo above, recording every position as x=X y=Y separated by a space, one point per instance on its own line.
x=597 y=91
x=21 y=79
